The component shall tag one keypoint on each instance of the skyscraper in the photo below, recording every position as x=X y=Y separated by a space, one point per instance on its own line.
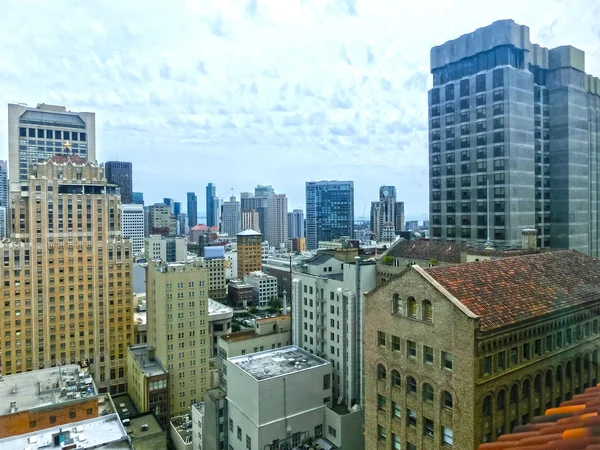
x=4 y=226
x=513 y=125
x=213 y=206
x=277 y=220
x=137 y=198
x=68 y=317
x=192 y=209
x=383 y=212
x=35 y=134
x=250 y=220
x=399 y=224
x=263 y=191
x=329 y=211
x=231 y=217
x=132 y=225
x=296 y=224
x=121 y=174
x=259 y=204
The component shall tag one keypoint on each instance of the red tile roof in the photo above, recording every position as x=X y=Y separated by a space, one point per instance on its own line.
x=573 y=425
x=507 y=291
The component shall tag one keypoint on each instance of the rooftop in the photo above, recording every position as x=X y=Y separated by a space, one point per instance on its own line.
x=183 y=427
x=277 y=362
x=63 y=159
x=425 y=250
x=240 y=336
x=45 y=387
x=507 y=291
x=249 y=232
x=143 y=425
x=148 y=363
x=139 y=318
x=100 y=432
x=124 y=406
x=217 y=311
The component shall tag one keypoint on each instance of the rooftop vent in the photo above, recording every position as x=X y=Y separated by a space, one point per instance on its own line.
x=145 y=427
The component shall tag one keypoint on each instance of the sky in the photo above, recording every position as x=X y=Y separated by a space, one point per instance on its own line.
x=247 y=92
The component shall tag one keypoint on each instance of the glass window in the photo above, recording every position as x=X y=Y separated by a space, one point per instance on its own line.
x=381 y=372
x=381 y=338
x=411 y=348
x=480 y=83
x=464 y=88
x=427 y=393
x=381 y=402
x=447 y=436
x=411 y=385
x=450 y=91
x=446 y=361
x=427 y=354
x=428 y=427
x=447 y=400
x=411 y=418
x=396 y=378
x=396 y=412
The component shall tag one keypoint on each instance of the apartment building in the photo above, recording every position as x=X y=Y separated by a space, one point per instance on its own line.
x=249 y=252
x=67 y=274
x=459 y=355
x=264 y=287
x=177 y=304
x=161 y=220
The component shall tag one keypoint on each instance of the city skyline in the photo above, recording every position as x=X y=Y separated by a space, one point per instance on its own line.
x=357 y=100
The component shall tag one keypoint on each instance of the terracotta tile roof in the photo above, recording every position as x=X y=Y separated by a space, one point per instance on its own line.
x=573 y=425
x=506 y=291
x=443 y=251
x=62 y=159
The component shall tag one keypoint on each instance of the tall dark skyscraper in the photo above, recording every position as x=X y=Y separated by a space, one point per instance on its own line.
x=137 y=198
x=192 y=209
x=213 y=206
x=329 y=211
x=383 y=212
x=514 y=139
x=120 y=173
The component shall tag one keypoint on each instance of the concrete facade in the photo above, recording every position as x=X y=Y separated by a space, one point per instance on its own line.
x=277 y=220
x=132 y=221
x=161 y=220
x=231 y=217
x=170 y=249
x=264 y=286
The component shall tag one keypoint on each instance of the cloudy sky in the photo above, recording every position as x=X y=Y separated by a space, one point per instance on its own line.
x=246 y=92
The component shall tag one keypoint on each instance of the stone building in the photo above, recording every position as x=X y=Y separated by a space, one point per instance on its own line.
x=459 y=355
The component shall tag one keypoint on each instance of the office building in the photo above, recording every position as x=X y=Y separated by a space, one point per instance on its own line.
x=263 y=190
x=412 y=225
x=121 y=174
x=137 y=198
x=383 y=211
x=329 y=211
x=299 y=245
x=447 y=367
x=192 y=209
x=214 y=261
x=43 y=398
x=213 y=206
x=165 y=249
x=36 y=134
x=219 y=323
x=231 y=217
x=148 y=382
x=182 y=224
x=209 y=422
x=4 y=184
x=259 y=204
x=240 y=294
x=250 y=220
x=161 y=220
x=80 y=274
x=176 y=208
x=132 y=226
x=277 y=223
x=399 y=224
x=296 y=224
x=249 y=253
x=3 y=222
x=265 y=287
x=177 y=299
x=512 y=125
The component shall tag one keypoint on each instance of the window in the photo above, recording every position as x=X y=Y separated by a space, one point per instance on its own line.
x=447 y=436
x=537 y=347
x=447 y=400
x=501 y=400
x=326 y=381
x=427 y=354
x=381 y=372
x=88 y=411
x=32 y=424
x=52 y=419
x=427 y=311
x=412 y=307
x=381 y=338
x=502 y=360
x=537 y=384
x=427 y=393
x=411 y=348
x=231 y=425
x=514 y=356
x=239 y=433
x=487 y=406
x=396 y=444
x=526 y=351
x=411 y=418
x=410 y=446
x=514 y=394
x=396 y=343
x=525 y=389
x=446 y=361
x=72 y=414
x=396 y=413
x=486 y=365
x=332 y=431
x=397 y=304
x=381 y=402
x=381 y=433
x=411 y=385
x=396 y=381
x=248 y=443
x=428 y=427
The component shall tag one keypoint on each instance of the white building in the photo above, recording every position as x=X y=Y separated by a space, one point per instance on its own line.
x=277 y=397
x=231 y=218
x=219 y=323
x=132 y=223
x=265 y=287
x=171 y=249
x=231 y=263
x=277 y=220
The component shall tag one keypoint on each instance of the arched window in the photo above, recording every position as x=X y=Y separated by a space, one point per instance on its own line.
x=395 y=378
x=537 y=384
x=514 y=394
x=487 y=406
x=447 y=401
x=381 y=372
x=501 y=403
x=559 y=374
x=427 y=393
x=411 y=385
x=397 y=304
x=427 y=311
x=412 y=307
x=525 y=389
x=578 y=365
x=548 y=378
x=568 y=370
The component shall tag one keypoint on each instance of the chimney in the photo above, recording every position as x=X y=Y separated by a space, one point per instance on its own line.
x=529 y=238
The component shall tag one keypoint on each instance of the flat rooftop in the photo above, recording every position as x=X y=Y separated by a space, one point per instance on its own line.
x=150 y=367
x=183 y=427
x=216 y=308
x=100 y=432
x=277 y=362
x=124 y=406
x=45 y=387
x=151 y=426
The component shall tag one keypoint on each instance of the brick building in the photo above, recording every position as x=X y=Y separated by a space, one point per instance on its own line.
x=459 y=355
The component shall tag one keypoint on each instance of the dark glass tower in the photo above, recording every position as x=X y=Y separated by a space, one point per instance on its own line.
x=120 y=173
x=192 y=209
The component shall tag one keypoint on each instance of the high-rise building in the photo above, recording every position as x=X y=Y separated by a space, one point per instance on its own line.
x=132 y=226
x=231 y=217
x=4 y=222
x=182 y=224
x=161 y=220
x=383 y=212
x=177 y=302
x=69 y=249
x=35 y=134
x=250 y=220
x=277 y=220
x=213 y=206
x=249 y=252
x=263 y=191
x=259 y=204
x=296 y=224
x=170 y=202
x=399 y=224
x=192 y=209
x=167 y=249
x=121 y=174
x=137 y=198
x=4 y=207
x=513 y=125
x=329 y=211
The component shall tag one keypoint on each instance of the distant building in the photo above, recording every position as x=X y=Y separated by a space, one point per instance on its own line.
x=240 y=294
x=299 y=245
x=296 y=224
x=250 y=220
x=192 y=209
x=383 y=212
x=412 y=225
x=137 y=198
x=329 y=211
x=277 y=220
x=4 y=230
x=161 y=220
x=3 y=223
x=166 y=249
x=263 y=190
x=214 y=261
x=265 y=287
x=231 y=217
x=258 y=204
x=121 y=174
x=249 y=252
x=399 y=223
x=132 y=225
x=213 y=206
